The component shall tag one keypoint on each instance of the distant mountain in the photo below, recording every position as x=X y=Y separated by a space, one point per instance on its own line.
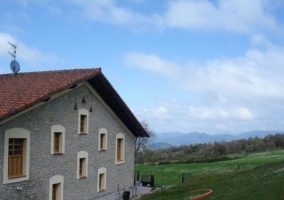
x=258 y=133
x=177 y=138
x=159 y=145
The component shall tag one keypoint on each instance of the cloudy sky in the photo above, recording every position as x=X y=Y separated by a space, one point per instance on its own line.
x=214 y=66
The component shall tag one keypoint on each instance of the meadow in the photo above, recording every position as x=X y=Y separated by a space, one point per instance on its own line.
x=250 y=176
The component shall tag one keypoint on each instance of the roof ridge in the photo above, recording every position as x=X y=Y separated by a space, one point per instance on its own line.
x=52 y=71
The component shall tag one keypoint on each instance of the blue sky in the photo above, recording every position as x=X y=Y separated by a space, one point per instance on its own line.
x=213 y=66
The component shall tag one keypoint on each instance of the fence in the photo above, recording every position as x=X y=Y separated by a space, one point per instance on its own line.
x=147 y=180
x=136 y=177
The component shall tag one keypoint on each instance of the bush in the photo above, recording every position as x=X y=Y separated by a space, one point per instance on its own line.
x=164 y=162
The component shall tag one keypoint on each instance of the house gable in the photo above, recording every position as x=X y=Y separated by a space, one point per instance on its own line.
x=43 y=165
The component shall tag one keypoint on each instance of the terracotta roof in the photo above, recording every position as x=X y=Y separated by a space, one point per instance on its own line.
x=19 y=91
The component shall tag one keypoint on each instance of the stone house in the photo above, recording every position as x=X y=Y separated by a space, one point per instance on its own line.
x=65 y=134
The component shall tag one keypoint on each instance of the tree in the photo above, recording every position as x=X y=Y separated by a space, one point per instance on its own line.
x=141 y=143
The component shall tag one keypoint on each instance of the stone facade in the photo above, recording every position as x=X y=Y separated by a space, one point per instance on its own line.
x=44 y=166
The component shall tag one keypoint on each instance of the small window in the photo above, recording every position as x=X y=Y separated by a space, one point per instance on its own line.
x=82 y=167
x=83 y=121
x=16 y=163
x=16 y=155
x=56 y=187
x=102 y=139
x=55 y=191
x=83 y=124
x=102 y=182
x=57 y=143
x=82 y=164
x=119 y=148
x=101 y=179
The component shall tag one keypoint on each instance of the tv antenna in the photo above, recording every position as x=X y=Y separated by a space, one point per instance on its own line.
x=15 y=66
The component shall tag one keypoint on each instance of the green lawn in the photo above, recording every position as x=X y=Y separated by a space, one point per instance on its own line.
x=171 y=174
x=259 y=176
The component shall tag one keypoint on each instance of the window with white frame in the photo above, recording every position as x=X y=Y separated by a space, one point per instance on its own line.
x=57 y=143
x=82 y=164
x=119 y=151
x=16 y=155
x=56 y=184
x=83 y=121
x=101 y=183
x=102 y=139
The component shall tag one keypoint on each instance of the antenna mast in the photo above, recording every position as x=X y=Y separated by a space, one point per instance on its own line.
x=15 y=67
x=15 y=49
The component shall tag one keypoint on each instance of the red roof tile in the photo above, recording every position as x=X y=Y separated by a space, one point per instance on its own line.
x=19 y=91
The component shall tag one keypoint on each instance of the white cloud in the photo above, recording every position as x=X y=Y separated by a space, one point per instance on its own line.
x=243 y=114
x=222 y=15
x=108 y=11
x=207 y=113
x=232 y=91
x=234 y=15
x=152 y=63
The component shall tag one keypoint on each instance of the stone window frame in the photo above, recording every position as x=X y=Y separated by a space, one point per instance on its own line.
x=17 y=133
x=120 y=136
x=82 y=155
x=101 y=171
x=57 y=179
x=102 y=131
x=83 y=112
x=57 y=129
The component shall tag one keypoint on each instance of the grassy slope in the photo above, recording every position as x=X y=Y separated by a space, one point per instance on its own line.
x=263 y=182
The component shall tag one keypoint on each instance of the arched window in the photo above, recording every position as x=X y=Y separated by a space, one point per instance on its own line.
x=16 y=155
x=57 y=139
x=82 y=164
x=56 y=184
x=102 y=139
x=83 y=121
x=101 y=184
x=120 y=145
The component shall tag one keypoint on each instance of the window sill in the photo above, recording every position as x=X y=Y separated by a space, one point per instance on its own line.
x=119 y=162
x=15 y=177
x=83 y=134
x=82 y=177
x=57 y=153
x=102 y=190
x=102 y=149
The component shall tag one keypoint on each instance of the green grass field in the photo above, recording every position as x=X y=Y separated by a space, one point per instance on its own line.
x=254 y=176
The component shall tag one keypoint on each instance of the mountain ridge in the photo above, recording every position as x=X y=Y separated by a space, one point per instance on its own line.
x=178 y=138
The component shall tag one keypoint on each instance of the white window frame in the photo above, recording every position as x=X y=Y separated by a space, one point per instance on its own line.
x=57 y=179
x=101 y=170
x=102 y=131
x=13 y=134
x=82 y=154
x=85 y=112
x=120 y=136
x=57 y=129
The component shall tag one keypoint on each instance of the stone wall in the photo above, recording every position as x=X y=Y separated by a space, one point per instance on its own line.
x=43 y=165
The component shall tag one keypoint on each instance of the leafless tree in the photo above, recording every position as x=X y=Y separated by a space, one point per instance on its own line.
x=143 y=142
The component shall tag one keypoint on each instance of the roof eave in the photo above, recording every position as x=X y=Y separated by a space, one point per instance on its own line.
x=115 y=102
